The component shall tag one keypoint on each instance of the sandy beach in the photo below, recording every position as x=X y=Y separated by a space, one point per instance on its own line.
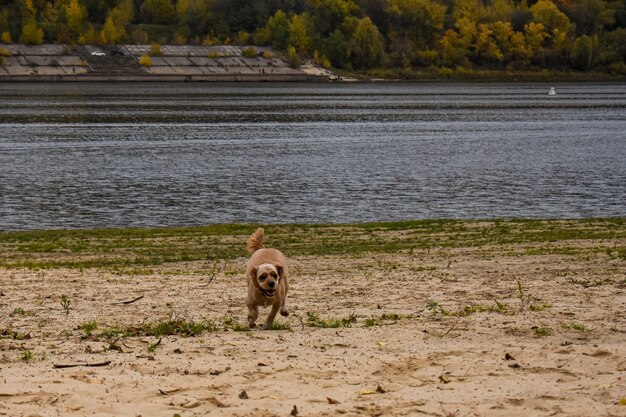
x=497 y=327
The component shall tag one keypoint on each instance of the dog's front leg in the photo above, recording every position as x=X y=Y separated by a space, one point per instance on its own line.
x=253 y=314
x=269 y=323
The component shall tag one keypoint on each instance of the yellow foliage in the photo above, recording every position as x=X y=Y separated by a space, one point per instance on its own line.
x=145 y=60
x=6 y=37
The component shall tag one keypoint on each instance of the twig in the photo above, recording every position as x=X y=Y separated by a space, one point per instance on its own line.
x=74 y=365
x=129 y=301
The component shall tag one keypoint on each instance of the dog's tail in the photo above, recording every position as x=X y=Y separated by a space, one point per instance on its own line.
x=255 y=241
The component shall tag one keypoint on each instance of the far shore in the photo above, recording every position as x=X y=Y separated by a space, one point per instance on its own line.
x=227 y=63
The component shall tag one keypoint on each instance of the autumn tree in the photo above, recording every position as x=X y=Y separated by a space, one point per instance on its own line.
x=32 y=34
x=415 y=26
x=114 y=29
x=300 y=29
x=75 y=14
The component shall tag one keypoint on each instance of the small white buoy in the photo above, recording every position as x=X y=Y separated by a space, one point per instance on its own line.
x=552 y=92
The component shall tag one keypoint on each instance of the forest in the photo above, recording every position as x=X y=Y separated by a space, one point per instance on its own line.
x=360 y=35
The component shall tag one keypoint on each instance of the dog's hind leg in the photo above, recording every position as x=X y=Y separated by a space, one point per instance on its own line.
x=253 y=314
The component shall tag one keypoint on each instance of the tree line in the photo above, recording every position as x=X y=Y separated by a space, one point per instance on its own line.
x=359 y=34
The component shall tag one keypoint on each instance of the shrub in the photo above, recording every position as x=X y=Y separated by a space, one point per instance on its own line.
x=145 y=60
x=4 y=52
x=213 y=54
x=292 y=57
x=155 y=50
x=268 y=54
x=249 y=52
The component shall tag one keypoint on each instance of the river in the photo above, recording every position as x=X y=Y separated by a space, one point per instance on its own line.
x=83 y=155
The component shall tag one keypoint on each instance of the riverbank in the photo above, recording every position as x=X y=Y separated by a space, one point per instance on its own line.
x=430 y=317
x=225 y=63
x=137 y=63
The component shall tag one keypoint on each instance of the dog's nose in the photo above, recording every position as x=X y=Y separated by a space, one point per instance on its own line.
x=271 y=284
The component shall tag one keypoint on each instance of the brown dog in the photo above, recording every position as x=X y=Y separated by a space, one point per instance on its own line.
x=267 y=280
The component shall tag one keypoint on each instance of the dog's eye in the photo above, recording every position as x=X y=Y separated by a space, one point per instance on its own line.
x=273 y=275
x=262 y=277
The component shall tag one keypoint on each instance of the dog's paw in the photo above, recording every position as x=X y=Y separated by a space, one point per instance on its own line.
x=284 y=312
x=252 y=325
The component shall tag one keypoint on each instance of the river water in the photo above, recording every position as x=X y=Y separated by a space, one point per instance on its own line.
x=152 y=155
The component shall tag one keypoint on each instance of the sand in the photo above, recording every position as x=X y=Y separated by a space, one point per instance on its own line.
x=558 y=347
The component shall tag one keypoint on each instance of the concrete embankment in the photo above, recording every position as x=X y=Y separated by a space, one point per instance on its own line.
x=49 y=63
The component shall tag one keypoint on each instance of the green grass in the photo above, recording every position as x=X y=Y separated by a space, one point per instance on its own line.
x=497 y=307
x=139 y=250
x=575 y=326
x=313 y=320
x=542 y=331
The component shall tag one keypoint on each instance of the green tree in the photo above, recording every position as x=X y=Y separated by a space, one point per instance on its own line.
x=367 y=45
x=415 y=25
x=582 y=52
x=160 y=12
x=329 y=15
x=276 y=31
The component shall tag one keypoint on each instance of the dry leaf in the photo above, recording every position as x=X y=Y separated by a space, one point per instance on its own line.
x=444 y=379
x=243 y=395
x=294 y=412
x=332 y=401
x=380 y=389
x=622 y=401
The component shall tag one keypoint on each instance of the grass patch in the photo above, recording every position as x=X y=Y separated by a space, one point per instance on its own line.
x=233 y=324
x=88 y=327
x=142 y=249
x=11 y=334
x=281 y=325
x=26 y=356
x=575 y=326
x=182 y=328
x=19 y=311
x=497 y=307
x=542 y=331
x=313 y=320
x=385 y=319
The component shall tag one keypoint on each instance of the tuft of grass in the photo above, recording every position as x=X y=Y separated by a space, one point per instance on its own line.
x=575 y=326
x=26 y=356
x=385 y=319
x=177 y=327
x=12 y=334
x=529 y=301
x=281 y=325
x=591 y=284
x=496 y=307
x=19 y=311
x=542 y=331
x=233 y=324
x=65 y=304
x=313 y=320
x=88 y=327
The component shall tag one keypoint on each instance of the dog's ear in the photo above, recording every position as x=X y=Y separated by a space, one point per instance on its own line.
x=281 y=270
x=252 y=275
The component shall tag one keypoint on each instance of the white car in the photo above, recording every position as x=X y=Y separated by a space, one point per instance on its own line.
x=97 y=53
